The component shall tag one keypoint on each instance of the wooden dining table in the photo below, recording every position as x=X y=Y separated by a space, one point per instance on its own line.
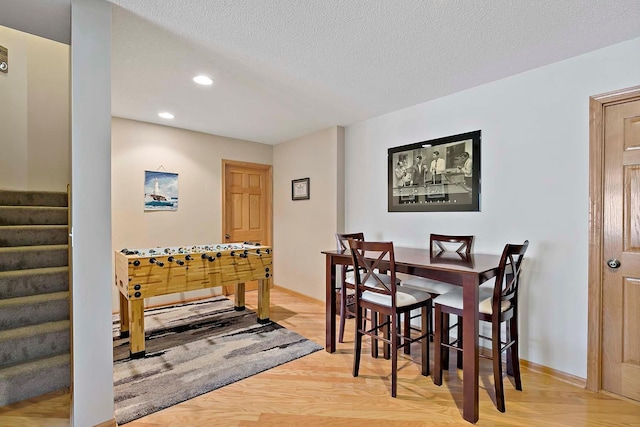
x=468 y=272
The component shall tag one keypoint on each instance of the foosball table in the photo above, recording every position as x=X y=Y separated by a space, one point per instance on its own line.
x=144 y=273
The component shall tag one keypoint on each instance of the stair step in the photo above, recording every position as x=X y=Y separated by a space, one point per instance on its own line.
x=31 y=235
x=22 y=283
x=34 y=342
x=32 y=310
x=28 y=257
x=35 y=378
x=33 y=198
x=33 y=215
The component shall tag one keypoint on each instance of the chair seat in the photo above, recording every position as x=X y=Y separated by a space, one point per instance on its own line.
x=428 y=285
x=488 y=285
x=371 y=281
x=454 y=299
x=350 y=277
x=404 y=297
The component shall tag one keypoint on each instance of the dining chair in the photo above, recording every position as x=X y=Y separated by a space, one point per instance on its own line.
x=347 y=282
x=440 y=245
x=381 y=294
x=497 y=305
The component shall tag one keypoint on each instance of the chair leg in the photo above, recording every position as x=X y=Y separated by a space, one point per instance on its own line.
x=357 y=341
x=374 y=341
x=407 y=330
x=459 y=355
x=343 y=312
x=430 y=324
x=424 y=330
x=444 y=338
x=437 y=350
x=513 y=355
x=386 y=348
x=394 y=355
x=497 y=365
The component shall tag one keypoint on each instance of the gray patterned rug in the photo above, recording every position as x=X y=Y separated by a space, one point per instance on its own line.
x=195 y=348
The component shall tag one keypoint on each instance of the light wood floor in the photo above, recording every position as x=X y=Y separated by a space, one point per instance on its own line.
x=319 y=390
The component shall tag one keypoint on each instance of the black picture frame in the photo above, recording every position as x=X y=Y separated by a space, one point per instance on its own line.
x=451 y=184
x=300 y=189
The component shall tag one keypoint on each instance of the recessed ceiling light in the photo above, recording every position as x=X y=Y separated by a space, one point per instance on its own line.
x=166 y=115
x=203 y=80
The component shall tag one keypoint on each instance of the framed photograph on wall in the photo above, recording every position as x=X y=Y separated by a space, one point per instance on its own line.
x=300 y=189
x=440 y=175
x=160 y=191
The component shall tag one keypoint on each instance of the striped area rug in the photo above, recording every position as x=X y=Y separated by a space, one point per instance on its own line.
x=195 y=348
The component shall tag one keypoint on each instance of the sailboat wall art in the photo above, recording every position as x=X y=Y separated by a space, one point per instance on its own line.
x=160 y=191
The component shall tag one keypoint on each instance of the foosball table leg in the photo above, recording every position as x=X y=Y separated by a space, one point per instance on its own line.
x=124 y=316
x=239 y=297
x=263 y=300
x=136 y=325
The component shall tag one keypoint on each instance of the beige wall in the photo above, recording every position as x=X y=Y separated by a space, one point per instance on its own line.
x=197 y=159
x=34 y=113
x=303 y=228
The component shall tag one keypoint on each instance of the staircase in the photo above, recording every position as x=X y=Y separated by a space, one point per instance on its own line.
x=34 y=294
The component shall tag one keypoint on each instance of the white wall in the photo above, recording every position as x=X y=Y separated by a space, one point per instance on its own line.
x=303 y=228
x=197 y=159
x=535 y=151
x=92 y=351
x=34 y=113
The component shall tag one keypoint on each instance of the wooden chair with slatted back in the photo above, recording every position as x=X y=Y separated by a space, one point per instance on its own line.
x=347 y=283
x=437 y=244
x=497 y=304
x=380 y=293
x=441 y=245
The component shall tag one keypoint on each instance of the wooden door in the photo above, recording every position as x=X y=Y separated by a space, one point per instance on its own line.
x=246 y=205
x=621 y=246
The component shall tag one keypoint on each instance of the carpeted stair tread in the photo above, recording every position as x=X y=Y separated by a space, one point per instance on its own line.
x=35 y=327
x=12 y=334
x=26 y=380
x=33 y=198
x=20 y=283
x=33 y=215
x=29 y=257
x=31 y=310
x=20 y=345
x=32 y=235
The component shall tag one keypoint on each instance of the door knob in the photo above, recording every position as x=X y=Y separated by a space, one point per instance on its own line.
x=226 y=236
x=613 y=263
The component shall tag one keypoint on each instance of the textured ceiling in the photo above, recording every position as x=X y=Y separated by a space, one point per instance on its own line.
x=286 y=68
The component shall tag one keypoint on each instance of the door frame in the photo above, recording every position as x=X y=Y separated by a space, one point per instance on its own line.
x=597 y=104
x=269 y=202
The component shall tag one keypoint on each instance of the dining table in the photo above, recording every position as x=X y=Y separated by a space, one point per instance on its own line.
x=468 y=271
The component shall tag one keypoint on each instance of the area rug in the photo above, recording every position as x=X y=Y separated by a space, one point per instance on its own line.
x=194 y=348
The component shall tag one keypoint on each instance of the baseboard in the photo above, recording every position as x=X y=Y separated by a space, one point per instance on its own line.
x=559 y=375
x=626 y=399
x=175 y=302
x=110 y=423
x=298 y=294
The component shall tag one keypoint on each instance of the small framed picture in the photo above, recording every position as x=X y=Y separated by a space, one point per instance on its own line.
x=300 y=189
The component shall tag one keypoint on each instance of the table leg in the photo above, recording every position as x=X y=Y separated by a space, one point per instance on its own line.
x=136 y=328
x=238 y=297
x=470 y=330
x=330 y=305
x=263 y=300
x=124 y=316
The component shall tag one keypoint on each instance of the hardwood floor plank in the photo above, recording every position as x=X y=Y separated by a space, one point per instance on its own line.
x=319 y=390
